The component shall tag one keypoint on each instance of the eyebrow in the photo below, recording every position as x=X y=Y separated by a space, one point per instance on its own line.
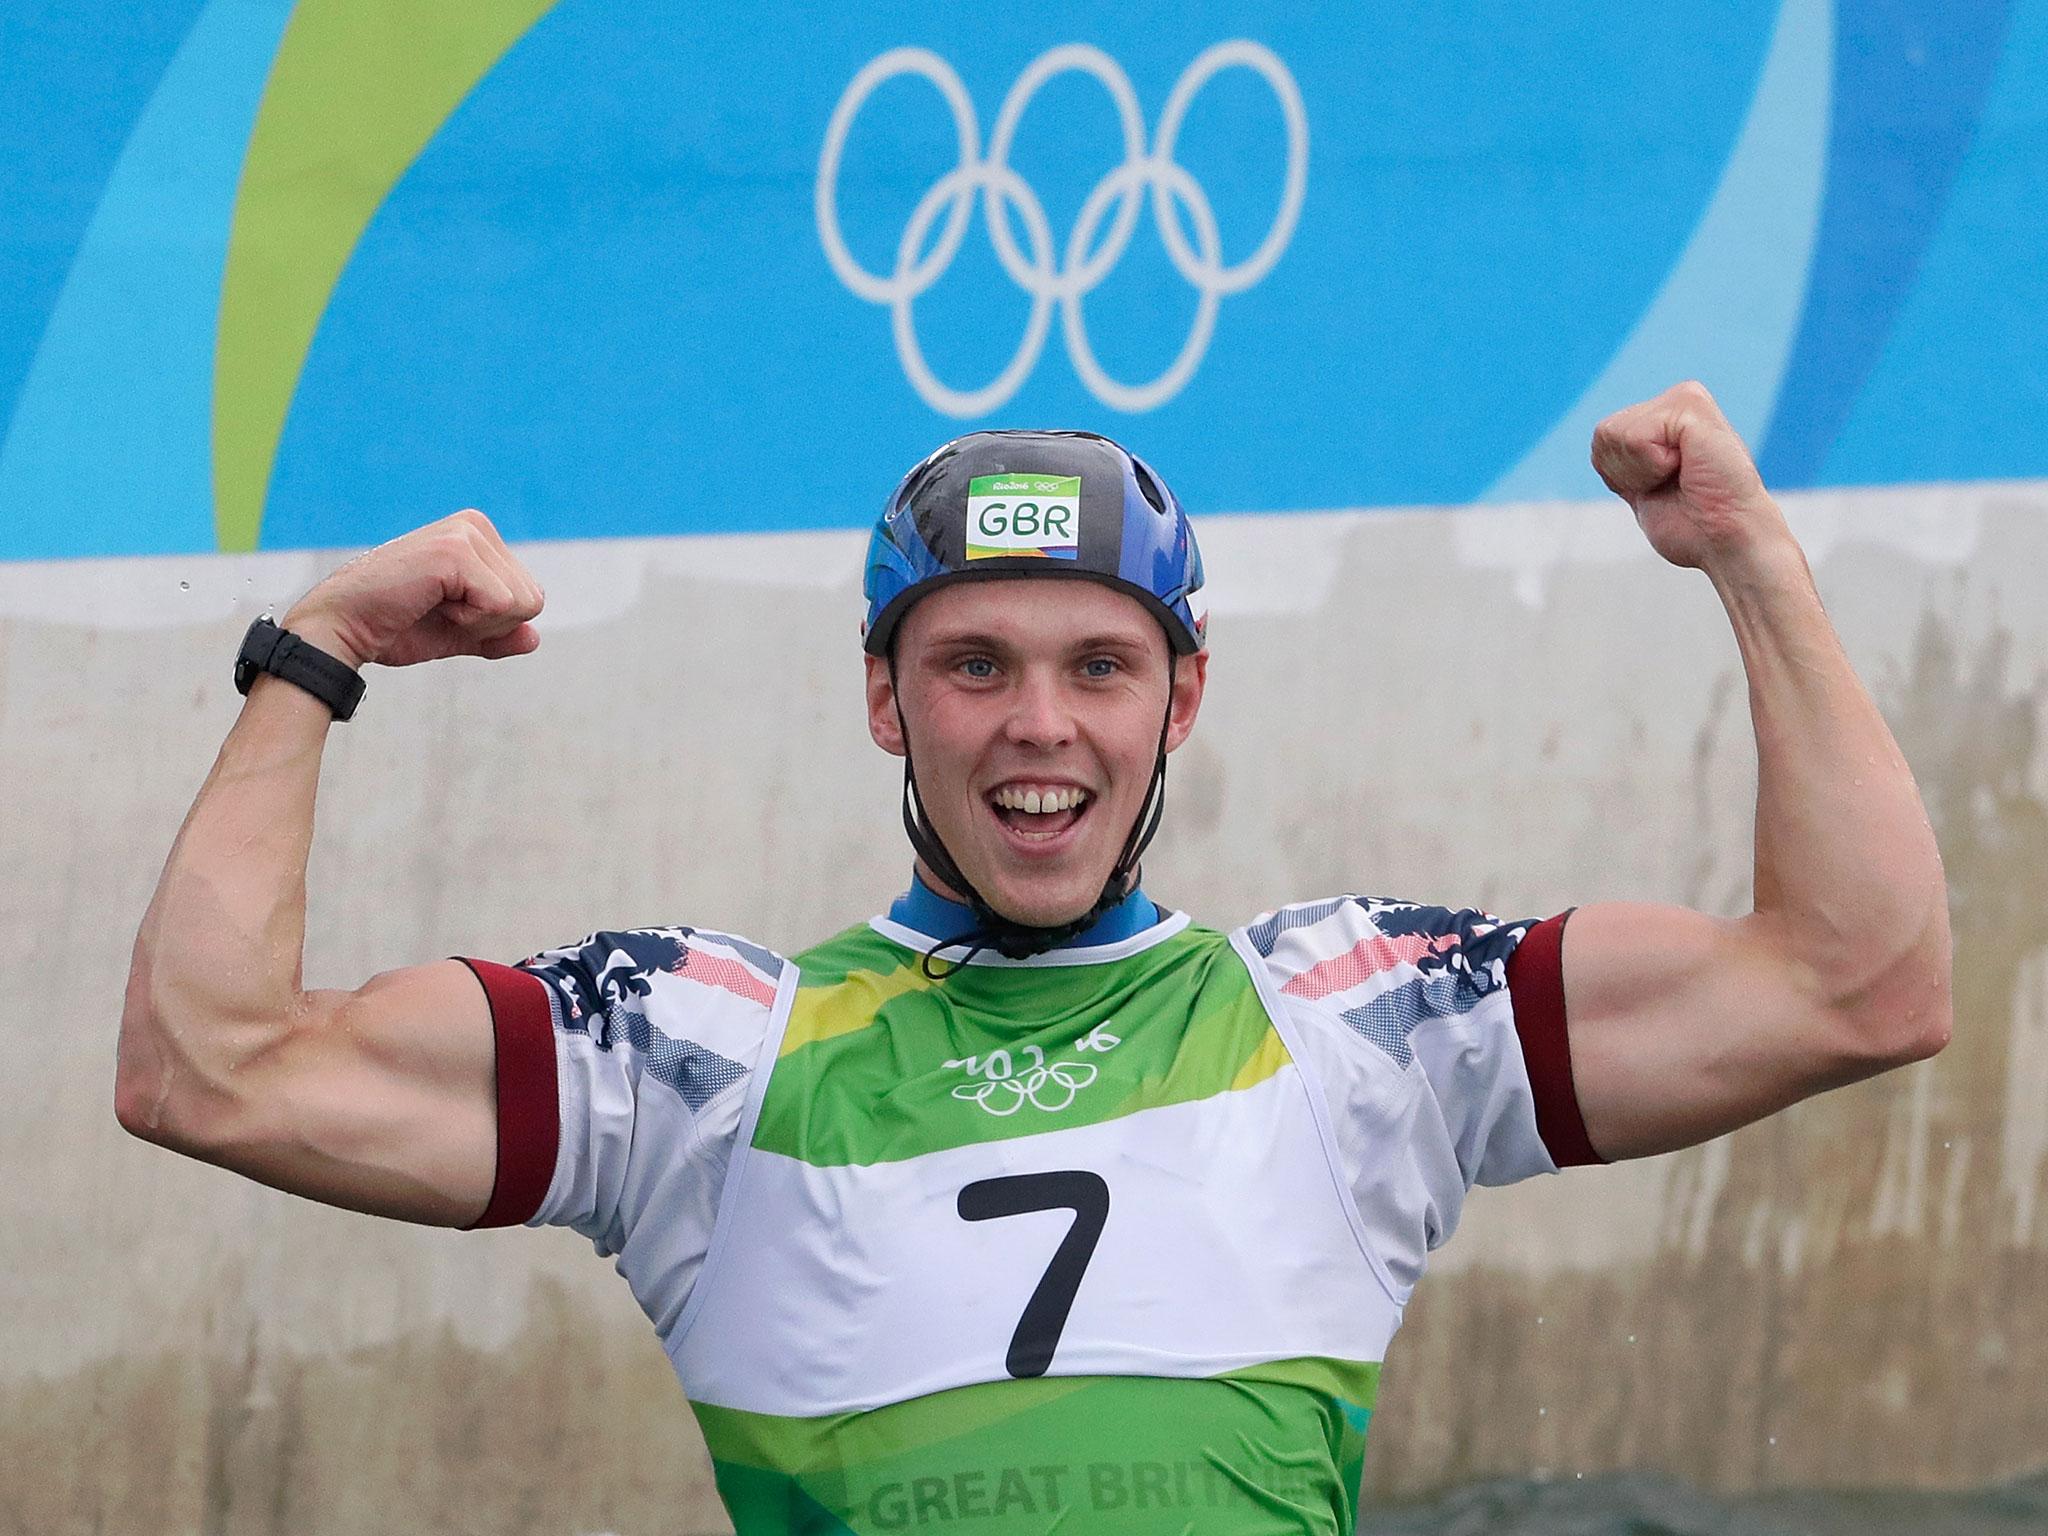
x=1115 y=642
x=983 y=640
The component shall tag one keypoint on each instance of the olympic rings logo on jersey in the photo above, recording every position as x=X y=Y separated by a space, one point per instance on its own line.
x=1048 y=277
x=1051 y=1086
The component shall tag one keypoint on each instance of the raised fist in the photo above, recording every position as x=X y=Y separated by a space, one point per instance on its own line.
x=451 y=588
x=1685 y=471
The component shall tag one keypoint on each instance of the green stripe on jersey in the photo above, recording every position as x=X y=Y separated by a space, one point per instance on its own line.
x=1276 y=1448
x=879 y=1063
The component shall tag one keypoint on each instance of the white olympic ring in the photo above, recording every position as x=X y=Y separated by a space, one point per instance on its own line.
x=1048 y=277
x=1026 y=1086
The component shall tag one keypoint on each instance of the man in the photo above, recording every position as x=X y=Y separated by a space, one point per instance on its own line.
x=1032 y=1205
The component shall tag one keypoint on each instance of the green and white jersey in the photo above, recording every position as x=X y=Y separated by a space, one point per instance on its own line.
x=1113 y=1238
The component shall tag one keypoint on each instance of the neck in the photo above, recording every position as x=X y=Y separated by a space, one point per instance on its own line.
x=931 y=907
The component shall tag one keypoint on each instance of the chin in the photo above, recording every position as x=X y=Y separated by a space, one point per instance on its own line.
x=1042 y=904
x=1039 y=882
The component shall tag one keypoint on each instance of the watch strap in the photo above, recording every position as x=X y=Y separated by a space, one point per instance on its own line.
x=268 y=648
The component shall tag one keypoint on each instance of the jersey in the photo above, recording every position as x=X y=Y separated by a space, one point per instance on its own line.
x=1111 y=1238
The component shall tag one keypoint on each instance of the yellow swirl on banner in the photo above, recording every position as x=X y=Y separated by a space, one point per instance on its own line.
x=358 y=89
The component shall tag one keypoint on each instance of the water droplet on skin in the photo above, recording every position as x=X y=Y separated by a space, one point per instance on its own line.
x=184 y=586
x=1774 y=1439
x=1541 y=1412
x=1859 y=783
x=1631 y=1338
x=1539 y=1321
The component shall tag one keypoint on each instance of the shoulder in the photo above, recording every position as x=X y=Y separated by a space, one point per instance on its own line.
x=692 y=1004
x=858 y=949
x=1384 y=968
x=619 y=966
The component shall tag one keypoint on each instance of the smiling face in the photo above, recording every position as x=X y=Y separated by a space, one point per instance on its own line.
x=1034 y=708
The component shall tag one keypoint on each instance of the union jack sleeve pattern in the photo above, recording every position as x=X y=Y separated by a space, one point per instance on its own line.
x=1439 y=1037
x=1388 y=968
x=621 y=1060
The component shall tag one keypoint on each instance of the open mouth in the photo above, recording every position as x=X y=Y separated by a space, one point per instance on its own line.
x=1039 y=813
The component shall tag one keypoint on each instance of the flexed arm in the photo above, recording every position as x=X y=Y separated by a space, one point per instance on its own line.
x=380 y=1099
x=1684 y=1026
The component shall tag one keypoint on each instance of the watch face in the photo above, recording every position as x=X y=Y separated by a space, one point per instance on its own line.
x=245 y=662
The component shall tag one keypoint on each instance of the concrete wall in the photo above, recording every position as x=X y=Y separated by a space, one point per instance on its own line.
x=1518 y=707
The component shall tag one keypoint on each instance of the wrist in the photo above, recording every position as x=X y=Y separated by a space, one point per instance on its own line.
x=1768 y=564
x=324 y=634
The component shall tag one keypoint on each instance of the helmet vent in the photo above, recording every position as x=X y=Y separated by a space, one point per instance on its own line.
x=1148 y=486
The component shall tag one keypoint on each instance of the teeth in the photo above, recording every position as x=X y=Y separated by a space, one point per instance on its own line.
x=1036 y=802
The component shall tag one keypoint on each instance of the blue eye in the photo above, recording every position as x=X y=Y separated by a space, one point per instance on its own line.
x=1101 y=666
x=978 y=666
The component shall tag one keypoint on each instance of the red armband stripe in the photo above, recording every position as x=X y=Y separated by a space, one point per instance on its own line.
x=529 y=1111
x=1536 y=990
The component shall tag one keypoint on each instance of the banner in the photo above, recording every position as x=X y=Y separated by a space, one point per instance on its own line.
x=286 y=276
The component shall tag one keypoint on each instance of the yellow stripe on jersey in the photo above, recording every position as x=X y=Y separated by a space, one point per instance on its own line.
x=841 y=1007
x=1269 y=1058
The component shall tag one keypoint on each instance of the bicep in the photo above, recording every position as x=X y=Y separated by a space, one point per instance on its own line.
x=1684 y=1027
x=380 y=1100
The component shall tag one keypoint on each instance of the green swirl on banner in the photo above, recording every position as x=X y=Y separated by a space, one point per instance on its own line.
x=357 y=90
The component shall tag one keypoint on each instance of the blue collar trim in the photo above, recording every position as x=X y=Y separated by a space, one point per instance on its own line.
x=926 y=911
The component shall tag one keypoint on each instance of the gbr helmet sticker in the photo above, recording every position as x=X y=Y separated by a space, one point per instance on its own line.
x=1012 y=515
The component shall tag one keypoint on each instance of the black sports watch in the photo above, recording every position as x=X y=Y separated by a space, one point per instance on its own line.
x=267 y=648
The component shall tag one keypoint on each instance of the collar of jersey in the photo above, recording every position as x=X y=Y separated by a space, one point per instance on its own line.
x=921 y=917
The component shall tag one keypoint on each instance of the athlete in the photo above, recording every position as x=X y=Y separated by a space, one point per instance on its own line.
x=1033 y=1205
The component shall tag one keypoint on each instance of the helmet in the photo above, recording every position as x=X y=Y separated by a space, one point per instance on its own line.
x=1006 y=504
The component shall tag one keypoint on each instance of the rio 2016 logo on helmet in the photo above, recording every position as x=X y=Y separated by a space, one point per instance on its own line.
x=1008 y=504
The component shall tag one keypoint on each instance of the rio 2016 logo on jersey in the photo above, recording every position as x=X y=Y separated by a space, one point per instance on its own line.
x=1024 y=515
x=1002 y=1085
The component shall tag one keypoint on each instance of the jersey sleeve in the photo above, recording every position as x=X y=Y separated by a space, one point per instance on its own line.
x=622 y=1062
x=1440 y=1039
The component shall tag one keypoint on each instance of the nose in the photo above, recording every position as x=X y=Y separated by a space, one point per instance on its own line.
x=1040 y=712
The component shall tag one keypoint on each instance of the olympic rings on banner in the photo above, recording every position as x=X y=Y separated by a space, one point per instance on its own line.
x=1048 y=274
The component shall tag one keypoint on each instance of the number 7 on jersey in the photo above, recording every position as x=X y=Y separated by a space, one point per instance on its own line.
x=1045 y=1314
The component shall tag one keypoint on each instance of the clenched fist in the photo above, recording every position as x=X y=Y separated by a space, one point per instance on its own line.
x=451 y=588
x=1692 y=483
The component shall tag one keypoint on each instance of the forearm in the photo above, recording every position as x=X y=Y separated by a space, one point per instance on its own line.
x=1848 y=879
x=217 y=962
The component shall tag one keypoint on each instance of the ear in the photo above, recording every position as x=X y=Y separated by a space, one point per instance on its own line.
x=884 y=724
x=1190 y=677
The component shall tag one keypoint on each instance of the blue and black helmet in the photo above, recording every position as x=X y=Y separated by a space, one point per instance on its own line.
x=1006 y=504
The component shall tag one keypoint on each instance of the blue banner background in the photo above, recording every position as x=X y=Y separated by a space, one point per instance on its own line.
x=597 y=303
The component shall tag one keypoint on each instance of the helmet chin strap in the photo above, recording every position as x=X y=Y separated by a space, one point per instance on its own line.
x=993 y=930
